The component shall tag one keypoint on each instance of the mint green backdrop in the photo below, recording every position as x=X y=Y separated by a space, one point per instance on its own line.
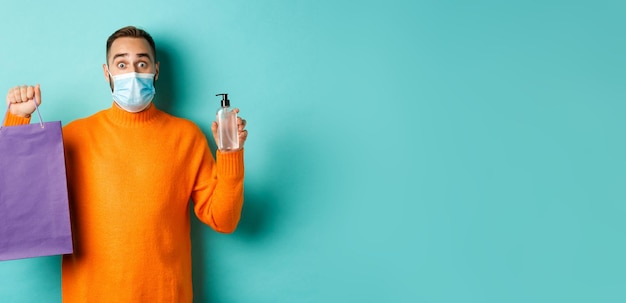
x=399 y=151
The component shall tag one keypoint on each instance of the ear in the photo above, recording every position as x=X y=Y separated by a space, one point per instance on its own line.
x=156 y=73
x=105 y=69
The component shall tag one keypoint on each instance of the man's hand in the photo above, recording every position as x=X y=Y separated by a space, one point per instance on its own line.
x=21 y=97
x=241 y=127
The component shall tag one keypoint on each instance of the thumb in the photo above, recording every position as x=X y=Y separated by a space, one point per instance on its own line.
x=214 y=130
x=38 y=94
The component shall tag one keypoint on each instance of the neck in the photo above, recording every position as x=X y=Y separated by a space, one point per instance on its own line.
x=121 y=117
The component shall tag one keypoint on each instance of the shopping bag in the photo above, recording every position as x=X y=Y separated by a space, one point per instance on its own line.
x=34 y=210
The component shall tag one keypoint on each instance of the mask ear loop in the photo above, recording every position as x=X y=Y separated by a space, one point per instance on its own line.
x=36 y=108
x=111 y=79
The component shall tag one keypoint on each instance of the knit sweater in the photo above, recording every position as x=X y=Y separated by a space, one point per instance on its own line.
x=130 y=181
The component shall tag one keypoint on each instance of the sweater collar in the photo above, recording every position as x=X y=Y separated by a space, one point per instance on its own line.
x=121 y=117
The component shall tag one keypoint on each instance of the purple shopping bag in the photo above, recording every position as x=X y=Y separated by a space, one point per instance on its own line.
x=34 y=210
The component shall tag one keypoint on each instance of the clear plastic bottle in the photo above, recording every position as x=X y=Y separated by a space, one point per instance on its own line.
x=227 y=132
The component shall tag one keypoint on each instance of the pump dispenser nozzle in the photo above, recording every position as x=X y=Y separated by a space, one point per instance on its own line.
x=225 y=101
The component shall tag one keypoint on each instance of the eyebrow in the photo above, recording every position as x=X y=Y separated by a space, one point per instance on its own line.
x=140 y=55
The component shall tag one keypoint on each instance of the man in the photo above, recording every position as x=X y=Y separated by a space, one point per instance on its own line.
x=132 y=170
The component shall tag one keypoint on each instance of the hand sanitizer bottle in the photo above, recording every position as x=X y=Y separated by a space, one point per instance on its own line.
x=227 y=132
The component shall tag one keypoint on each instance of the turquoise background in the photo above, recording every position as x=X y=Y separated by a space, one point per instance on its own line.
x=399 y=151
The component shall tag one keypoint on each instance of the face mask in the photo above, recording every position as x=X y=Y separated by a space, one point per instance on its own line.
x=133 y=91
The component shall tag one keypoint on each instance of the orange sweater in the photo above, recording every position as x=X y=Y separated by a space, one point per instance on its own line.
x=130 y=179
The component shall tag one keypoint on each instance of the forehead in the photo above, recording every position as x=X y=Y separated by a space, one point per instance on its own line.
x=130 y=46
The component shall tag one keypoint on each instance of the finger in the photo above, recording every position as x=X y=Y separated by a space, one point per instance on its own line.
x=10 y=96
x=214 y=130
x=38 y=94
x=23 y=93
x=243 y=135
x=242 y=124
x=30 y=93
x=236 y=110
x=17 y=95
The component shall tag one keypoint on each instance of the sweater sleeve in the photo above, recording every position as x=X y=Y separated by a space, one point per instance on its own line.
x=13 y=120
x=218 y=194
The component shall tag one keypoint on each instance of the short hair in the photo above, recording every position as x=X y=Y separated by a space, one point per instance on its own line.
x=132 y=32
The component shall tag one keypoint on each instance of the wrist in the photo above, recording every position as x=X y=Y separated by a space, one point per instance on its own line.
x=19 y=114
x=230 y=151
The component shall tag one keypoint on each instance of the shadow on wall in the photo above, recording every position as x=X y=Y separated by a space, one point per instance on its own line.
x=167 y=86
x=270 y=206
x=269 y=198
x=259 y=211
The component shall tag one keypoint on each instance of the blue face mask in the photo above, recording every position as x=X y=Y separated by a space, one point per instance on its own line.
x=133 y=91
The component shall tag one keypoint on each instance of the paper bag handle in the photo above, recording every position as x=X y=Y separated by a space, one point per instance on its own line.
x=36 y=109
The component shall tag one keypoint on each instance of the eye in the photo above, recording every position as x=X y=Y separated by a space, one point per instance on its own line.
x=121 y=65
x=142 y=64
